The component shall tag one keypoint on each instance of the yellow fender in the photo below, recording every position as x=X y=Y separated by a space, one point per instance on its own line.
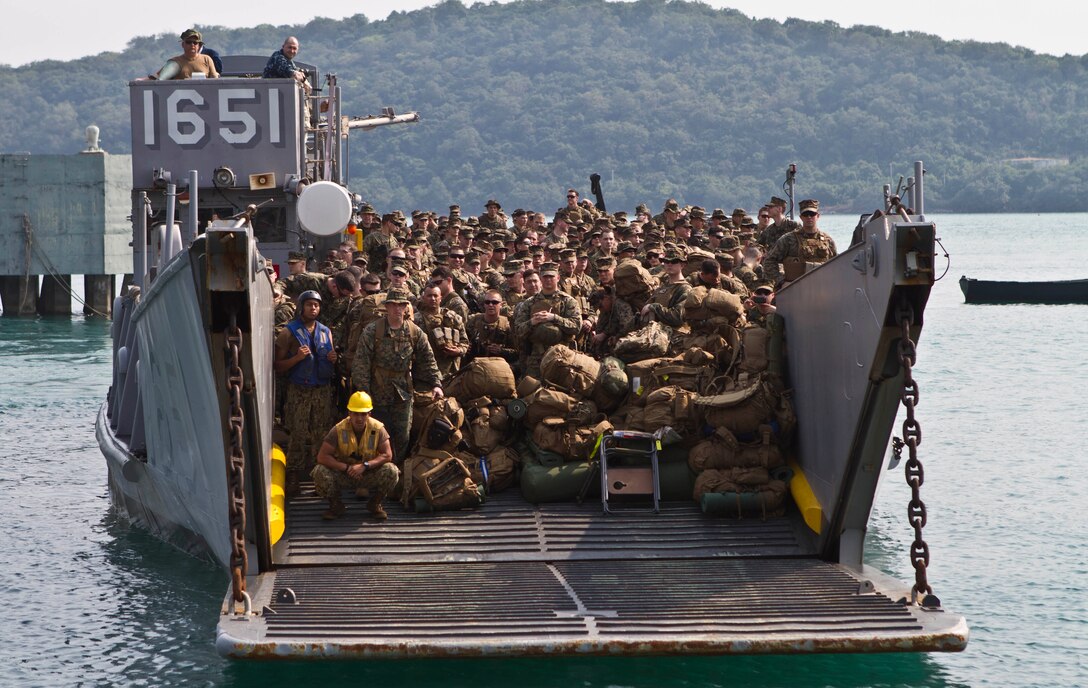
x=805 y=499
x=276 y=521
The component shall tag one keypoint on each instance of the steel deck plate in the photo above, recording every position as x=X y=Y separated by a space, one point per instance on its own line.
x=506 y=528
x=687 y=606
x=512 y=578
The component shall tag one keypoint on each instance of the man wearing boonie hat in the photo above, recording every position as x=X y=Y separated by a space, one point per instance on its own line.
x=493 y=217
x=393 y=355
x=801 y=250
x=669 y=215
x=191 y=61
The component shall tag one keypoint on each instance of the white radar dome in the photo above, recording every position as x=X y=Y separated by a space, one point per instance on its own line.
x=324 y=208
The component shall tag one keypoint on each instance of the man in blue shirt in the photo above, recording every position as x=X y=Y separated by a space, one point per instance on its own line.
x=282 y=63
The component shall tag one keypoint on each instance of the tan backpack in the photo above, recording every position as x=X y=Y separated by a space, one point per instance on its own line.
x=486 y=376
x=570 y=370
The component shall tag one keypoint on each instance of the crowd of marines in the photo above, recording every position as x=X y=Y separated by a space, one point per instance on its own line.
x=381 y=327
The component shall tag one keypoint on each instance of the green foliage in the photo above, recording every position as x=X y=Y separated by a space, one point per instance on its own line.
x=663 y=98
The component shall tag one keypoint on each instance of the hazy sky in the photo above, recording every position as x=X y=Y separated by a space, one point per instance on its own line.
x=67 y=29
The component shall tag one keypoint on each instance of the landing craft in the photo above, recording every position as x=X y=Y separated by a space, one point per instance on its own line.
x=187 y=425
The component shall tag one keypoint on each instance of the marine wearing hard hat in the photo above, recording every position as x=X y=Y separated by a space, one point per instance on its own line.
x=356 y=453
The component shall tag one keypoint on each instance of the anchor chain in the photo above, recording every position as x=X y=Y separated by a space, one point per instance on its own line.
x=912 y=437
x=236 y=462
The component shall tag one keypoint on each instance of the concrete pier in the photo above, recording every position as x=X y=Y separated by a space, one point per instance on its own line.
x=98 y=294
x=56 y=295
x=19 y=295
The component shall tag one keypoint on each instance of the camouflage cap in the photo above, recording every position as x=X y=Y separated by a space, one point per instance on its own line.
x=672 y=206
x=295 y=256
x=747 y=221
x=739 y=212
x=536 y=249
x=492 y=202
x=697 y=213
x=398 y=269
x=809 y=205
x=371 y=278
x=472 y=221
x=566 y=253
x=625 y=247
x=473 y=259
x=582 y=253
x=642 y=209
x=729 y=243
x=763 y=285
x=367 y=208
x=511 y=267
x=549 y=268
x=457 y=252
x=719 y=213
x=390 y=218
x=725 y=260
x=673 y=256
x=455 y=210
x=192 y=35
x=518 y=213
x=776 y=201
x=605 y=262
x=396 y=295
x=498 y=245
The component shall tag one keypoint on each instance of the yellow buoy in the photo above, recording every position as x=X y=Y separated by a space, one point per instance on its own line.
x=805 y=499
x=276 y=522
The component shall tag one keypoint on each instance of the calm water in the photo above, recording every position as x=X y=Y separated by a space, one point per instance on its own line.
x=89 y=600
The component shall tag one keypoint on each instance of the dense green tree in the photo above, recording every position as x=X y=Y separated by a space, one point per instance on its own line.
x=661 y=97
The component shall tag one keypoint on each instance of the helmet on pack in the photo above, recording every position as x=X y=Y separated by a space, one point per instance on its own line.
x=360 y=403
x=309 y=295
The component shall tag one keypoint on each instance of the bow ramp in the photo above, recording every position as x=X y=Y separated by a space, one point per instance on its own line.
x=517 y=579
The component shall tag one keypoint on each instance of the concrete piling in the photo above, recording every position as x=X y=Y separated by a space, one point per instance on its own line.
x=56 y=295
x=19 y=295
x=98 y=294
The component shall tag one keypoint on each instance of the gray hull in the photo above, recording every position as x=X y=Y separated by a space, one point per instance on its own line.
x=167 y=473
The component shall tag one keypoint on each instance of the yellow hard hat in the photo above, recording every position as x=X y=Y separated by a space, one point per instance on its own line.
x=360 y=403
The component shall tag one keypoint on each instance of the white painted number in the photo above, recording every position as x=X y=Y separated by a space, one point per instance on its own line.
x=227 y=116
x=175 y=118
x=186 y=127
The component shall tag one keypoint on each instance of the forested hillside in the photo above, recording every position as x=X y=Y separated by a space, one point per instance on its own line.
x=521 y=100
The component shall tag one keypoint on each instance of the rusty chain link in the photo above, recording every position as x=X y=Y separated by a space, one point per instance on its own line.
x=236 y=462
x=912 y=437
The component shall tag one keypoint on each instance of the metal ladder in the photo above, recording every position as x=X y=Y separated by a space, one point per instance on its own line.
x=639 y=476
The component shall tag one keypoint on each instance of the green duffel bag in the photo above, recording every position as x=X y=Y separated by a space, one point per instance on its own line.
x=677 y=479
x=563 y=483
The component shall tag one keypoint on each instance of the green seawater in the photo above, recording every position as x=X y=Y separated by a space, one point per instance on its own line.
x=89 y=600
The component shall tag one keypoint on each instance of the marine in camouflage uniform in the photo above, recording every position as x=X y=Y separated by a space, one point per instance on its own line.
x=493 y=218
x=561 y=325
x=780 y=227
x=666 y=304
x=614 y=323
x=377 y=245
x=295 y=284
x=808 y=243
x=387 y=362
x=444 y=322
x=491 y=339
